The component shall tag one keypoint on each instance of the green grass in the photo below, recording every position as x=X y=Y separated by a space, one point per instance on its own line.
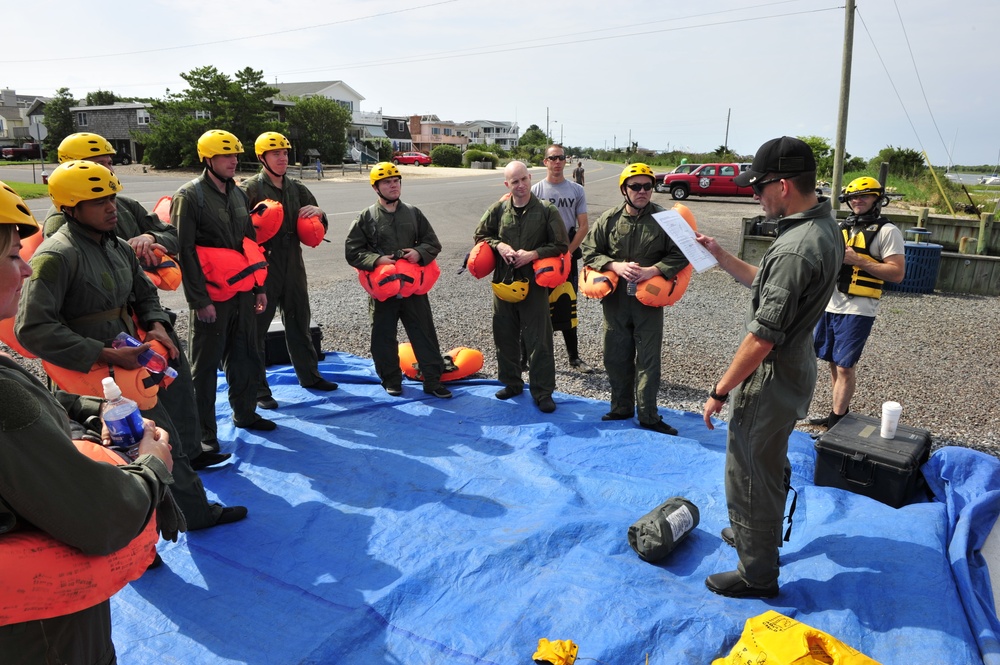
x=27 y=190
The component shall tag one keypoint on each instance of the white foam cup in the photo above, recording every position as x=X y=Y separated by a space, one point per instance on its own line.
x=890 y=418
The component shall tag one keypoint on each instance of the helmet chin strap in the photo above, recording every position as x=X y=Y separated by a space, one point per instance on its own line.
x=208 y=166
x=863 y=218
x=378 y=190
x=629 y=201
x=267 y=168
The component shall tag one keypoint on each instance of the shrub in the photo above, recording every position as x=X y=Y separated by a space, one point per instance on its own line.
x=446 y=155
x=478 y=156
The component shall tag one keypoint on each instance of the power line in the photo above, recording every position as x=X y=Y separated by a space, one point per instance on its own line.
x=891 y=82
x=512 y=46
x=216 y=42
x=922 y=92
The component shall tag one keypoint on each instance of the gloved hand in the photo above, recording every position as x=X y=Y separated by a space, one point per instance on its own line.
x=170 y=521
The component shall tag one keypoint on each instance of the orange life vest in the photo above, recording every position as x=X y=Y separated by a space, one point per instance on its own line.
x=10 y=339
x=482 y=260
x=465 y=361
x=44 y=578
x=553 y=271
x=311 y=230
x=401 y=279
x=166 y=275
x=381 y=283
x=267 y=217
x=228 y=272
x=659 y=291
x=162 y=209
x=137 y=384
x=597 y=284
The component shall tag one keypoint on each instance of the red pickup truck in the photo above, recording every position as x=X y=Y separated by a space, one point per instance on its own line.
x=26 y=151
x=706 y=180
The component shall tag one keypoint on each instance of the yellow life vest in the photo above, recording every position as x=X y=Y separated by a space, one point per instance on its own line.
x=775 y=639
x=853 y=280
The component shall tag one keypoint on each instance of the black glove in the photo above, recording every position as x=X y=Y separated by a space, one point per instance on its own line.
x=170 y=521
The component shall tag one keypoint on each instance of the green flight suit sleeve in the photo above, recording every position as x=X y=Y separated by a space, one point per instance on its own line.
x=39 y=324
x=359 y=247
x=148 y=222
x=428 y=245
x=93 y=506
x=184 y=215
x=595 y=246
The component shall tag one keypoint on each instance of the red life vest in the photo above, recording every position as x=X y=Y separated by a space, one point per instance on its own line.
x=481 y=260
x=228 y=272
x=311 y=230
x=44 y=578
x=553 y=271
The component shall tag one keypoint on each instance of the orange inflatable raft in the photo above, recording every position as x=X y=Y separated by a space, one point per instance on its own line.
x=44 y=578
x=459 y=363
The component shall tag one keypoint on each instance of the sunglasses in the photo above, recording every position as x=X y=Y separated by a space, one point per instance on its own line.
x=556 y=158
x=644 y=187
x=758 y=187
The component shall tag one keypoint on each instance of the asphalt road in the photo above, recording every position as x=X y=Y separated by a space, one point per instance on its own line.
x=452 y=203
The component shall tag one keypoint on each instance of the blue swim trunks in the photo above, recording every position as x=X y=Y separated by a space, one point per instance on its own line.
x=840 y=338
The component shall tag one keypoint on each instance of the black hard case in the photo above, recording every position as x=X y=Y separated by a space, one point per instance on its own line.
x=275 y=348
x=852 y=455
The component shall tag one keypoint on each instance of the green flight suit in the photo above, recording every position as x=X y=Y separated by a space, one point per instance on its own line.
x=376 y=232
x=206 y=217
x=286 y=279
x=633 y=332
x=46 y=483
x=179 y=399
x=792 y=287
x=537 y=227
x=81 y=294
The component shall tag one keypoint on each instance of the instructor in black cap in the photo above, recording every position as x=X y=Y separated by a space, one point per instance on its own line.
x=773 y=373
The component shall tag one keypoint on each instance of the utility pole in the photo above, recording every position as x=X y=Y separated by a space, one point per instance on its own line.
x=726 y=142
x=547 y=135
x=845 y=95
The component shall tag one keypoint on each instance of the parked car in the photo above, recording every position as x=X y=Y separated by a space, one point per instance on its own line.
x=121 y=158
x=706 y=180
x=26 y=151
x=418 y=158
x=658 y=178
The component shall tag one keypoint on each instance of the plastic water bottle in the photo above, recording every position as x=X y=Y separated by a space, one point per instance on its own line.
x=122 y=417
x=149 y=358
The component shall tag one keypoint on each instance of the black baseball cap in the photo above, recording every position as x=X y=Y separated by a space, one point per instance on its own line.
x=785 y=156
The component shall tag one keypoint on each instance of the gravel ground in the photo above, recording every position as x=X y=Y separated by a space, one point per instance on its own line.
x=937 y=354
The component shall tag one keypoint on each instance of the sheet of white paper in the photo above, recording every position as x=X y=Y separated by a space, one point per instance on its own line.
x=683 y=236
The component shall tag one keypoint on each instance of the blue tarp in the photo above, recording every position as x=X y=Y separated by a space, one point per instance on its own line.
x=415 y=530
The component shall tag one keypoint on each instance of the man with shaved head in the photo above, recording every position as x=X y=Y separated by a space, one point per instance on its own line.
x=521 y=229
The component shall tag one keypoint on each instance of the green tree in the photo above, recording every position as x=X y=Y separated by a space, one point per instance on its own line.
x=903 y=162
x=320 y=124
x=212 y=100
x=823 y=152
x=101 y=98
x=533 y=136
x=58 y=120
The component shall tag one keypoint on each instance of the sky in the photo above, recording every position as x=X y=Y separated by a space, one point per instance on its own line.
x=596 y=73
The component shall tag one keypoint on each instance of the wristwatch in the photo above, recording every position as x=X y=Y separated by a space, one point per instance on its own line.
x=716 y=396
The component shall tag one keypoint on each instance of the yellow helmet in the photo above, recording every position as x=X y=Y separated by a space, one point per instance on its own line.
x=218 y=142
x=84 y=145
x=270 y=141
x=13 y=211
x=635 y=169
x=863 y=185
x=511 y=290
x=79 y=180
x=384 y=170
